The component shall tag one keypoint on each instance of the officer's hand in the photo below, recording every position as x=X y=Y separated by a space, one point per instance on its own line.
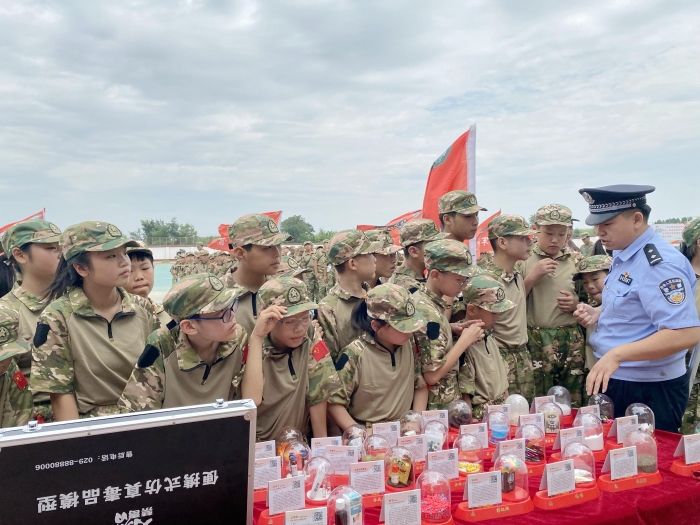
x=267 y=319
x=600 y=374
x=545 y=267
x=586 y=315
x=473 y=333
x=567 y=301
x=458 y=327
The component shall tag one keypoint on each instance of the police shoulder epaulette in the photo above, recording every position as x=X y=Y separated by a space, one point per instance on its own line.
x=652 y=254
x=148 y=356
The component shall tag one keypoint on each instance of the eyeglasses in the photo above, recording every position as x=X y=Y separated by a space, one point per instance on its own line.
x=293 y=324
x=225 y=317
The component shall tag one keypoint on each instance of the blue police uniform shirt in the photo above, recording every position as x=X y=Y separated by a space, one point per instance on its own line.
x=639 y=299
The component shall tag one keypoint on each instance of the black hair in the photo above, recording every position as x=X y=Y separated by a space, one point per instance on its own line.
x=247 y=247
x=599 y=249
x=340 y=268
x=689 y=250
x=442 y=220
x=361 y=320
x=9 y=268
x=66 y=276
x=644 y=209
x=140 y=256
x=494 y=244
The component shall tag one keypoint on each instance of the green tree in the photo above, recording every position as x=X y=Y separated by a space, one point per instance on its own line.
x=322 y=235
x=675 y=220
x=298 y=228
x=531 y=219
x=158 y=232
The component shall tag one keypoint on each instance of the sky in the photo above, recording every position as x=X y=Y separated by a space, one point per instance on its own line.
x=335 y=110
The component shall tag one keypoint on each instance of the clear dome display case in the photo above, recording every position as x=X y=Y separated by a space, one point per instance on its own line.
x=470 y=455
x=518 y=407
x=374 y=448
x=435 y=498
x=398 y=469
x=411 y=423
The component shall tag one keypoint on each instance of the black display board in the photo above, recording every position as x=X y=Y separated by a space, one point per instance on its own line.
x=187 y=473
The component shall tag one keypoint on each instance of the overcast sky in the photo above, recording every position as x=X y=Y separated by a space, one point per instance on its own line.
x=335 y=110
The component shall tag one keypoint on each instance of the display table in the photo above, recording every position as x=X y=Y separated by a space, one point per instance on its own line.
x=676 y=501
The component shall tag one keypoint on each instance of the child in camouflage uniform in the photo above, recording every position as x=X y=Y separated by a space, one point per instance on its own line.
x=325 y=278
x=379 y=370
x=690 y=247
x=384 y=256
x=16 y=404
x=142 y=278
x=459 y=215
x=413 y=236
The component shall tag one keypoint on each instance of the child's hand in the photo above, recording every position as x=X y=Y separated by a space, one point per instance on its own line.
x=586 y=315
x=473 y=333
x=267 y=319
x=545 y=267
x=567 y=301
x=318 y=332
x=457 y=328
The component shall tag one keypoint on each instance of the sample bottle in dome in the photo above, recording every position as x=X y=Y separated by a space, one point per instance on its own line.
x=294 y=458
x=459 y=413
x=514 y=481
x=411 y=423
x=354 y=436
x=286 y=435
x=647 y=462
x=345 y=506
x=584 y=464
x=435 y=435
x=319 y=475
x=606 y=407
x=435 y=497
x=470 y=455
x=499 y=428
x=562 y=397
x=518 y=407
x=534 y=443
x=398 y=468
x=374 y=448
x=593 y=430
x=552 y=417
x=645 y=417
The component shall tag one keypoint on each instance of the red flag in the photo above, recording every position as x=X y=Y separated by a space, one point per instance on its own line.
x=223 y=229
x=455 y=169
x=38 y=215
x=482 y=236
x=393 y=226
x=219 y=244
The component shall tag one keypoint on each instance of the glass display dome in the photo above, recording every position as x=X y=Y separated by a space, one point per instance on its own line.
x=286 y=435
x=374 y=448
x=398 y=468
x=354 y=436
x=345 y=506
x=593 y=430
x=646 y=451
x=436 y=435
x=470 y=459
x=534 y=443
x=411 y=423
x=645 y=417
x=518 y=407
x=514 y=482
x=459 y=413
x=499 y=428
x=319 y=475
x=562 y=398
x=552 y=417
x=294 y=458
x=435 y=499
x=605 y=405
x=584 y=464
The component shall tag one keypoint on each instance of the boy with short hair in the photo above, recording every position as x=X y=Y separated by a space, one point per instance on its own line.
x=555 y=340
x=414 y=236
x=142 y=278
x=459 y=215
x=320 y=268
x=384 y=256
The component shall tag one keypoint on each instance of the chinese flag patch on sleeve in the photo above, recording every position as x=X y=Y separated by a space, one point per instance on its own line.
x=320 y=351
x=20 y=380
x=245 y=354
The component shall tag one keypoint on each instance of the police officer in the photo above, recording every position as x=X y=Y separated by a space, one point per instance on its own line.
x=648 y=319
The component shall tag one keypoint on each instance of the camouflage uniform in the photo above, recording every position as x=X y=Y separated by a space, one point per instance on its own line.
x=385 y=246
x=169 y=372
x=691 y=234
x=413 y=232
x=322 y=265
x=16 y=402
x=510 y=331
x=586 y=249
x=75 y=350
x=555 y=339
x=435 y=340
x=306 y=261
x=379 y=384
x=296 y=379
x=201 y=266
x=188 y=266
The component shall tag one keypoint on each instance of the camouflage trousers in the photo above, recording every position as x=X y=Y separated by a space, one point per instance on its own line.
x=521 y=379
x=312 y=286
x=321 y=289
x=557 y=359
x=692 y=410
x=443 y=392
x=479 y=411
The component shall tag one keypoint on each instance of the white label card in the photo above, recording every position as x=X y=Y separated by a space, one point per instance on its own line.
x=689 y=447
x=285 y=494
x=567 y=436
x=532 y=419
x=315 y=516
x=266 y=470
x=539 y=401
x=511 y=446
x=621 y=463
x=390 y=431
x=433 y=415
x=367 y=477
x=445 y=462
x=416 y=445
x=559 y=478
x=499 y=408
x=479 y=430
x=592 y=409
x=318 y=445
x=401 y=508
x=623 y=426
x=342 y=457
x=265 y=449
x=484 y=489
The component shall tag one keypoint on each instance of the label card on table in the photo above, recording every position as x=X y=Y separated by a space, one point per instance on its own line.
x=401 y=508
x=315 y=516
x=567 y=436
x=511 y=446
x=342 y=457
x=532 y=419
x=621 y=463
x=435 y=415
x=479 y=430
x=367 y=477
x=499 y=408
x=559 y=478
x=592 y=409
x=285 y=494
x=390 y=431
x=265 y=449
x=483 y=489
x=318 y=445
x=539 y=401
x=416 y=445
x=623 y=426
x=445 y=462
x=266 y=470
x=689 y=446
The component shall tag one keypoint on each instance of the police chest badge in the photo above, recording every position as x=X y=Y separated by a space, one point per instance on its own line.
x=625 y=279
x=673 y=290
x=293 y=296
x=114 y=231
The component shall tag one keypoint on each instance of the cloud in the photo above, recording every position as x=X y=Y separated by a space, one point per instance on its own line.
x=335 y=110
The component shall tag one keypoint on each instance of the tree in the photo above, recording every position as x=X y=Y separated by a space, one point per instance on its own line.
x=322 y=235
x=159 y=232
x=675 y=220
x=531 y=219
x=298 y=228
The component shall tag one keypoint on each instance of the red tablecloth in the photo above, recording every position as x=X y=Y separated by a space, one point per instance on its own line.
x=675 y=501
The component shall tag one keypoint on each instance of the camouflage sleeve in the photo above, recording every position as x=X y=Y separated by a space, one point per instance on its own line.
x=52 y=359
x=418 y=380
x=18 y=405
x=326 y=318
x=348 y=377
x=145 y=389
x=323 y=380
x=431 y=340
x=467 y=375
x=242 y=346
x=153 y=317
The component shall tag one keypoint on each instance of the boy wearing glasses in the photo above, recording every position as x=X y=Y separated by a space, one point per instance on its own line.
x=299 y=373
x=203 y=357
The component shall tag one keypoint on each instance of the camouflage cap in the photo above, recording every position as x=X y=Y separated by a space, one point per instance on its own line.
x=198 y=294
x=37 y=231
x=307 y=242
x=395 y=305
x=348 y=244
x=494 y=300
x=460 y=201
x=141 y=247
x=92 y=236
x=691 y=234
x=585 y=236
x=505 y=225
x=553 y=214
x=256 y=229
x=190 y=254
x=448 y=255
x=285 y=291
x=419 y=230
x=11 y=344
x=594 y=263
x=289 y=267
x=214 y=255
x=384 y=240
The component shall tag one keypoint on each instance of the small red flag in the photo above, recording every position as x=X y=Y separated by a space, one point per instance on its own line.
x=20 y=380
x=482 y=235
x=393 y=226
x=320 y=351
